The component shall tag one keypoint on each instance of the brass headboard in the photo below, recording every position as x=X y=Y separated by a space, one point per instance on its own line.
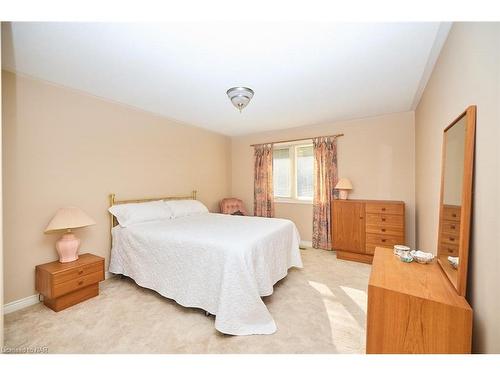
x=113 y=201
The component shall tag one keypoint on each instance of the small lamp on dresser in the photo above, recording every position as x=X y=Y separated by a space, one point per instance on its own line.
x=68 y=218
x=344 y=185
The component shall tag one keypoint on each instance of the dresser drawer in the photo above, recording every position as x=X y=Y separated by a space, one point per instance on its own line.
x=377 y=240
x=450 y=227
x=449 y=249
x=384 y=208
x=384 y=230
x=450 y=239
x=385 y=220
x=74 y=273
x=75 y=284
x=451 y=213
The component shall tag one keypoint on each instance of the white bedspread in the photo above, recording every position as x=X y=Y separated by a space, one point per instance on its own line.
x=222 y=264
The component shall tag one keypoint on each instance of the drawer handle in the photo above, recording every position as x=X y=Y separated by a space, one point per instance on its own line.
x=383 y=219
x=383 y=239
x=383 y=230
x=383 y=208
x=80 y=282
x=454 y=215
x=452 y=227
x=452 y=238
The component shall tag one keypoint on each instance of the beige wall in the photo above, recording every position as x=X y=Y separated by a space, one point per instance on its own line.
x=376 y=154
x=63 y=147
x=467 y=72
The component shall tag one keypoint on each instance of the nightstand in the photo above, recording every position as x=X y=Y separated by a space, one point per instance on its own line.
x=66 y=284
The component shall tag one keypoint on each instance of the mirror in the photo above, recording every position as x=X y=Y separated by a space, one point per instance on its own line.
x=456 y=198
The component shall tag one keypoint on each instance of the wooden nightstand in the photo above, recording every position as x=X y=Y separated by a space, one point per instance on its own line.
x=66 y=284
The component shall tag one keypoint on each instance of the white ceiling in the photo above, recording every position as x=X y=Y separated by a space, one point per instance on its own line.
x=302 y=73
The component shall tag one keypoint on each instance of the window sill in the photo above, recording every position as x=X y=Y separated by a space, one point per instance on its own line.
x=293 y=201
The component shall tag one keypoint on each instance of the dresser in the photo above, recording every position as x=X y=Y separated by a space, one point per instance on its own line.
x=413 y=308
x=450 y=230
x=66 y=284
x=359 y=226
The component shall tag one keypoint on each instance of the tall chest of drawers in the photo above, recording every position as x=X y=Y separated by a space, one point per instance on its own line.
x=450 y=230
x=359 y=226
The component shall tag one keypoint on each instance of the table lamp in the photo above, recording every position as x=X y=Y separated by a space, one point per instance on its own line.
x=68 y=218
x=344 y=185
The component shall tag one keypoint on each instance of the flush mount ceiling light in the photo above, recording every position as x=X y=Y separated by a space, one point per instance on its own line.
x=240 y=96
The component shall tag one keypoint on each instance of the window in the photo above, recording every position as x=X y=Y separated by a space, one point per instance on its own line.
x=293 y=172
x=282 y=173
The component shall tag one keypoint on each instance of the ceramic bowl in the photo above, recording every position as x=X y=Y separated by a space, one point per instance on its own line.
x=400 y=249
x=406 y=257
x=422 y=257
x=453 y=261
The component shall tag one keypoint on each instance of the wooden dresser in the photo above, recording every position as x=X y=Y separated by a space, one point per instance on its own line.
x=66 y=284
x=359 y=226
x=413 y=308
x=450 y=230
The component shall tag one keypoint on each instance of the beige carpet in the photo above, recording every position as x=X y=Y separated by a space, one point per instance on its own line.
x=318 y=309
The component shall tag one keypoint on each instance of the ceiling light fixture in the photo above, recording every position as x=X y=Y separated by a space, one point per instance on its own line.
x=240 y=96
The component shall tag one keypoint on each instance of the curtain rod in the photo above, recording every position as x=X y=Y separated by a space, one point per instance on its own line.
x=296 y=140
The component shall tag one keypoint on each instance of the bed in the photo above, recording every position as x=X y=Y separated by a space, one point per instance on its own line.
x=222 y=264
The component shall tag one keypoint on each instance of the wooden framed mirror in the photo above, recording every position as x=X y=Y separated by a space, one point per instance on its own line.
x=456 y=198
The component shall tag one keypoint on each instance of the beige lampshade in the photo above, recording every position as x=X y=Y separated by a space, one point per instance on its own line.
x=68 y=218
x=344 y=184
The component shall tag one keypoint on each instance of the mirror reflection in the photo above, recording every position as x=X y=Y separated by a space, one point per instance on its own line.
x=453 y=172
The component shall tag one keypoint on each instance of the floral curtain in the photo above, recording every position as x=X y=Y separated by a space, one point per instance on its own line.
x=263 y=204
x=325 y=179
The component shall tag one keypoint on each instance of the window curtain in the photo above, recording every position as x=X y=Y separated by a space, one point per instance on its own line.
x=325 y=179
x=263 y=204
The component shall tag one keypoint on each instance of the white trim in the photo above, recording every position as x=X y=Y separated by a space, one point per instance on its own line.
x=33 y=300
x=291 y=200
x=20 y=304
x=306 y=244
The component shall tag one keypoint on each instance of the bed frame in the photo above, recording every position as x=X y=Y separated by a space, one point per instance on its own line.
x=113 y=201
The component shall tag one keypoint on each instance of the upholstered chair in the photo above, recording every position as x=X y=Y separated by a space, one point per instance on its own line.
x=232 y=205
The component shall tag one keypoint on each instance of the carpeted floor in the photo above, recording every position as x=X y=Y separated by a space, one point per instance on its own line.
x=318 y=309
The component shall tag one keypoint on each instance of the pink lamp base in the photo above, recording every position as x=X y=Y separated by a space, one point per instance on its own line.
x=67 y=247
x=343 y=194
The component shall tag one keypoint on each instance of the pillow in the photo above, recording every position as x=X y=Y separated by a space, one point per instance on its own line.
x=133 y=213
x=188 y=207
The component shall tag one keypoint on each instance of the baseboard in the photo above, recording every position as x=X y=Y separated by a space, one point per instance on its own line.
x=33 y=300
x=20 y=304
x=306 y=244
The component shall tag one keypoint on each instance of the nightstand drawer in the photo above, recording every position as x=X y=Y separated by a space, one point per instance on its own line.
x=74 y=273
x=81 y=282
